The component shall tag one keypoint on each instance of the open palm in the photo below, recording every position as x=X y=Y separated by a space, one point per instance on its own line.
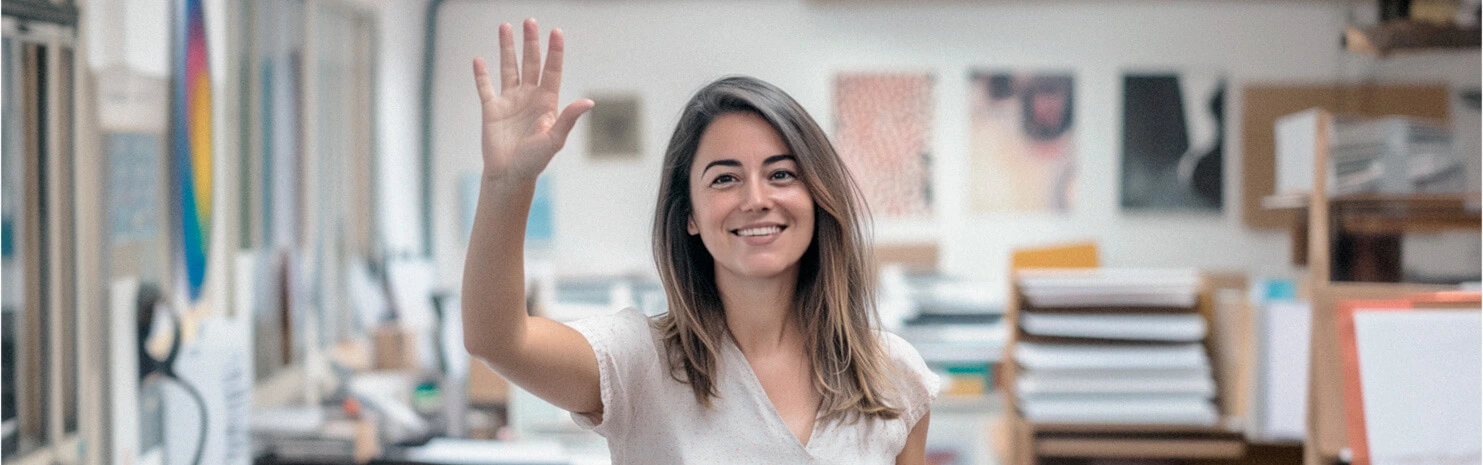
x=521 y=129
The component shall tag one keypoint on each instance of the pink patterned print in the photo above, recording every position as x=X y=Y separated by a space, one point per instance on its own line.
x=883 y=133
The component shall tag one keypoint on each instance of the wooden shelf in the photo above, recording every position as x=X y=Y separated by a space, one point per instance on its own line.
x=1329 y=220
x=1172 y=448
x=1408 y=36
x=1383 y=217
x=1104 y=428
x=1387 y=215
x=1463 y=202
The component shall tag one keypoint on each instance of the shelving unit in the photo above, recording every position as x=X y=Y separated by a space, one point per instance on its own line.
x=1030 y=441
x=1327 y=220
x=1377 y=221
x=1403 y=35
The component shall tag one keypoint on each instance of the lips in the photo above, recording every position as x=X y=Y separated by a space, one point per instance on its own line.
x=759 y=234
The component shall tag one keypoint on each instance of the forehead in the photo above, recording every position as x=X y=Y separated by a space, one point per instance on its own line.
x=741 y=136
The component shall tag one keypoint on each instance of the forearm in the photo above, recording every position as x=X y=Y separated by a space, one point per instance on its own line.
x=494 y=311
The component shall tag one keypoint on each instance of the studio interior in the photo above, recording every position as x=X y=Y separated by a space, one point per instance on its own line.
x=1118 y=231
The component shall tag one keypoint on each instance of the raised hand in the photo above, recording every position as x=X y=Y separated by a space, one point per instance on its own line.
x=521 y=129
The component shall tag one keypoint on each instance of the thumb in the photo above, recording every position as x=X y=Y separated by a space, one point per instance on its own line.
x=568 y=118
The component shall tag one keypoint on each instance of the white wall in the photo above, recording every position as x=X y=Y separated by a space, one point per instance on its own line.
x=664 y=51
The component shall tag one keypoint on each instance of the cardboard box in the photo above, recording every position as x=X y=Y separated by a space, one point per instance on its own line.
x=395 y=348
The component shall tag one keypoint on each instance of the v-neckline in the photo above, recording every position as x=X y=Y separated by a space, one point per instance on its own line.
x=754 y=384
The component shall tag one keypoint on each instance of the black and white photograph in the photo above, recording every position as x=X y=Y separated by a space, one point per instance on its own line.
x=1173 y=129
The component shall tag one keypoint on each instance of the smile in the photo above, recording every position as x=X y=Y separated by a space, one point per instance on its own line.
x=759 y=231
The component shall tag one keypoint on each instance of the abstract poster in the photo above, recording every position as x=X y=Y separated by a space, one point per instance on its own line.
x=883 y=131
x=1022 y=142
x=190 y=129
x=1173 y=130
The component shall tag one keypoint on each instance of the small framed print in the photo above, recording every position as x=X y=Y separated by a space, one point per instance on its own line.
x=616 y=128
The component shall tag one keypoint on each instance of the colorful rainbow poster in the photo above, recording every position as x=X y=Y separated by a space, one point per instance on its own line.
x=190 y=121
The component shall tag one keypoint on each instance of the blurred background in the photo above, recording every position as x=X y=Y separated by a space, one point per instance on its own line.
x=234 y=231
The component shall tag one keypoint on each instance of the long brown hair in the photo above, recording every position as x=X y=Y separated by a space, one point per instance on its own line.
x=835 y=299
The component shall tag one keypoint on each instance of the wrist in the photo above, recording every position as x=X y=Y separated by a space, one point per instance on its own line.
x=509 y=176
x=507 y=183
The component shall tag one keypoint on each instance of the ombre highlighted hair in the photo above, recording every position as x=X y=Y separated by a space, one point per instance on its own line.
x=835 y=299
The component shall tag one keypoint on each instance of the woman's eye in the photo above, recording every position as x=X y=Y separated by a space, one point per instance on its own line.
x=723 y=179
x=781 y=175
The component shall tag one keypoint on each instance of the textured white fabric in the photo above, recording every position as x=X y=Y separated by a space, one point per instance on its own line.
x=649 y=418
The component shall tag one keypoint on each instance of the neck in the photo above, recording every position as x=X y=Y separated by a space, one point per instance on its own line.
x=759 y=312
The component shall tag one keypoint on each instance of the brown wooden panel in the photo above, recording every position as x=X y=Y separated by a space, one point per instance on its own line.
x=1142 y=448
x=1263 y=104
x=912 y=257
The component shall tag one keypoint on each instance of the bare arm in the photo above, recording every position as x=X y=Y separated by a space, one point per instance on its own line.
x=521 y=132
x=915 y=451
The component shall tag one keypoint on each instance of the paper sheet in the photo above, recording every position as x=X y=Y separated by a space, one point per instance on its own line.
x=1420 y=377
x=1285 y=339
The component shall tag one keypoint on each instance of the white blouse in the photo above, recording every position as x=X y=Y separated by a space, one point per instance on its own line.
x=650 y=418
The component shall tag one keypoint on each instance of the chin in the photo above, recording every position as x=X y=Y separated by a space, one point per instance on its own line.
x=765 y=269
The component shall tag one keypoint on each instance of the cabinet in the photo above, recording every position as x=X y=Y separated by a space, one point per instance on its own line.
x=1031 y=441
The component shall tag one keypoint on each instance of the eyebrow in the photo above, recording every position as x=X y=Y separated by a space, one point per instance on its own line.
x=766 y=161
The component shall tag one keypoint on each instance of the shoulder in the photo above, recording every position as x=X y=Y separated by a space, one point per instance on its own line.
x=628 y=360
x=901 y=352
x=626 y=333
x=916 y=383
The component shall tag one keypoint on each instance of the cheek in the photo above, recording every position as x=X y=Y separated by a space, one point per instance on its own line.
x=703 y=214
x=803 y=210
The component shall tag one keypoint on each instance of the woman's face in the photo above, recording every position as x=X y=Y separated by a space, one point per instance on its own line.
x=748 y=205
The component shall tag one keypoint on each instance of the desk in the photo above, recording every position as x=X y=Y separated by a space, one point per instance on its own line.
x=448 y=451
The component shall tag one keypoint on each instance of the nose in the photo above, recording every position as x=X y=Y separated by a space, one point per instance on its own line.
x=758 y=197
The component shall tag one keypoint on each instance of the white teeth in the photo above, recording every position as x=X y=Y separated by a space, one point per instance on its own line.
x=759 y=231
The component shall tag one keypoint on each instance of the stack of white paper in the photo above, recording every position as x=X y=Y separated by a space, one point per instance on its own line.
x=946 y=343
x=950 y=321
x=1280 y=395
x=1195 y=382
x=1177 y=327
x=1105 y=287
x=1173 y=410
x=1118 y=346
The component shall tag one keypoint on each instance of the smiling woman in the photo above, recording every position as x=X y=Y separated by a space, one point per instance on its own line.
x=752 y=212
x=770 y=352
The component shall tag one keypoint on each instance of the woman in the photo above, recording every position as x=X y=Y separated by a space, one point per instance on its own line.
x=769 y=352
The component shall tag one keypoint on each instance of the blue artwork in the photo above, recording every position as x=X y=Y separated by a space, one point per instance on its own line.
x=133 y=186
x=540 y=229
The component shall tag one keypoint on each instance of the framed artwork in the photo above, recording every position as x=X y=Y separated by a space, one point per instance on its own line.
x=191 y=150
x=1022 y=142
x=615 y=127
x=1173 y=132
x=883 y=131
x=133 y=183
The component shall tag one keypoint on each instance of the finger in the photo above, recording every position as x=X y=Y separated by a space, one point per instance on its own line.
x=568 y=118
x=509 y=75
x=551 y=77
x=530 y=70
x=481 y=81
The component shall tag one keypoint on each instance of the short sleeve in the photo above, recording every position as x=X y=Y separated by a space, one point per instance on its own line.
x=625 y=349
x=918 y=385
